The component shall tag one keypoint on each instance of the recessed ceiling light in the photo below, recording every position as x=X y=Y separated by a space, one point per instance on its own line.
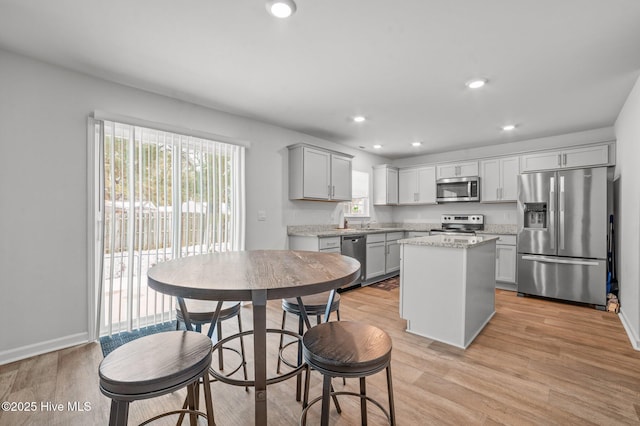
x=359 y=118
x=281 y=8
x=477 y=83
x=416 y=143
x=508 y=127
x=377 y=146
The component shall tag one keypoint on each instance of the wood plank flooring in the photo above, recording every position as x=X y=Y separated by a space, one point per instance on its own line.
x=537 y=362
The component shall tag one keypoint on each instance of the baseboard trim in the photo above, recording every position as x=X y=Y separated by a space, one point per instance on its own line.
x=28 y=351
x=631 y=333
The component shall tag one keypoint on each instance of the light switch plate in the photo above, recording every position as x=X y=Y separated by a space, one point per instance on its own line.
x=262 y=215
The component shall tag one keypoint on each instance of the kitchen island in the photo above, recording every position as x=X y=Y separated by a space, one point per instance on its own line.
x=447 y=286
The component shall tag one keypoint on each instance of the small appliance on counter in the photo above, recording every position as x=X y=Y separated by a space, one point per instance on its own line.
x=459 y=224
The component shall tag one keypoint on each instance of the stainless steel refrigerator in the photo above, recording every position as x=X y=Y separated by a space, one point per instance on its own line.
x=562 y=234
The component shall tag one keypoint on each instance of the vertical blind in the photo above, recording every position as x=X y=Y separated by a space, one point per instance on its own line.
x=162 y=196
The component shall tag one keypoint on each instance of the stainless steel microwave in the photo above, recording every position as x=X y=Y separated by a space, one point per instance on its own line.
x=458 y=189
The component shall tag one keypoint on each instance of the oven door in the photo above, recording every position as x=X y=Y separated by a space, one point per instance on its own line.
x=458 y=189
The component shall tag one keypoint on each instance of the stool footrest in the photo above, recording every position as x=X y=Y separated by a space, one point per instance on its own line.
x=303 y=418
x=271 y=380
x=169 y=413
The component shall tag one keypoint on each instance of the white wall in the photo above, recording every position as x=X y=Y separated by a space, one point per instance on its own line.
x=627 y=128
x=43 y=191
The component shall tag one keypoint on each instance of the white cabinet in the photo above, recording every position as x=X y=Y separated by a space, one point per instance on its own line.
x=417 y=185
x=323 y=244
x=340 y=177
x=505 y=261
x=392 y=262
x=385 y=185
x=376 y=255
x=318 y=174
x=585 y=156
x=469 y=168
x=499 y=179
x=329 y=244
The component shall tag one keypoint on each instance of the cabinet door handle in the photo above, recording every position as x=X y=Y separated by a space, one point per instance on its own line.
x=497 y=193
x=564 y=159
x=559 y=159
x=333 y=192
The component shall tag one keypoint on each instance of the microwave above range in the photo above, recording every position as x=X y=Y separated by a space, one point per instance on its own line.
x=458 y=189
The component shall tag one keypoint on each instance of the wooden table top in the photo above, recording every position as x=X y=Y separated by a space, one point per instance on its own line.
x=236 y=275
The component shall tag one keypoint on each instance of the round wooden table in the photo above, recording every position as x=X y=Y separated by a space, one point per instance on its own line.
x=255 y=276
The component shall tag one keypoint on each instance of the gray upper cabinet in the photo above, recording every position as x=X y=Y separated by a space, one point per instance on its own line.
x=319 y=174
x=385 y=185
x=499 y=180
x=585 y=156
x=417 y=185
x=468 y=168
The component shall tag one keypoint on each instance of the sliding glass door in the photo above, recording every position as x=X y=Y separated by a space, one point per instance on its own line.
x=162 y=196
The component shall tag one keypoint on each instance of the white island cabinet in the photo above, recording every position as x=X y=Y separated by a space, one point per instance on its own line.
x=447 y=286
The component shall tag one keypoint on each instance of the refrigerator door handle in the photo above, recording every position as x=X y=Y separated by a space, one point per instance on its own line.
x=561 y=215
x=552 y=212
x=559 y=260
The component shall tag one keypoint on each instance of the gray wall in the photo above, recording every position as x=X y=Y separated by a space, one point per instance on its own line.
x=43 y=191
x=628 y=184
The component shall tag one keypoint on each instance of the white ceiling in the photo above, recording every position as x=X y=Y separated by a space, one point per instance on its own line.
x=553 y=66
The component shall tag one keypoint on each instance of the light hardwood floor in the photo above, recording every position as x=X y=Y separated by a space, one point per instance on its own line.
x=537 y=362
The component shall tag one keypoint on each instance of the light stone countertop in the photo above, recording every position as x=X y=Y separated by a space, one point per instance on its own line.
x=333 y=231
x=451 y=241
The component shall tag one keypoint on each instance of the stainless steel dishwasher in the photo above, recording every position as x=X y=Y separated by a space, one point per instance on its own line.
x=356 y=246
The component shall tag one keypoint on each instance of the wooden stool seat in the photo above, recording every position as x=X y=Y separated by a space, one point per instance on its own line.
x=314 y=304
x=347 y=349
x=156 y=365
x=201 y=311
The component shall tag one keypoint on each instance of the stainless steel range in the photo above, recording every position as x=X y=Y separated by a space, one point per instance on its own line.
x=459 y=224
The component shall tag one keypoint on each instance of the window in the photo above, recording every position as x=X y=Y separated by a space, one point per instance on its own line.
x=161 y=196
x=359 y=204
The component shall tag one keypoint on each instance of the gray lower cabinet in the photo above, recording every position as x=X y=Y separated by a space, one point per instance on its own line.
x=376 y=255
x=382 y=252
x=505 y=261
x=392 y=257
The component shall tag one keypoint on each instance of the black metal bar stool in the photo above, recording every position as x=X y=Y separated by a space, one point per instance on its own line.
x=202 y=312
x=347 y=349
x=156 y=365
x=314 y=305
